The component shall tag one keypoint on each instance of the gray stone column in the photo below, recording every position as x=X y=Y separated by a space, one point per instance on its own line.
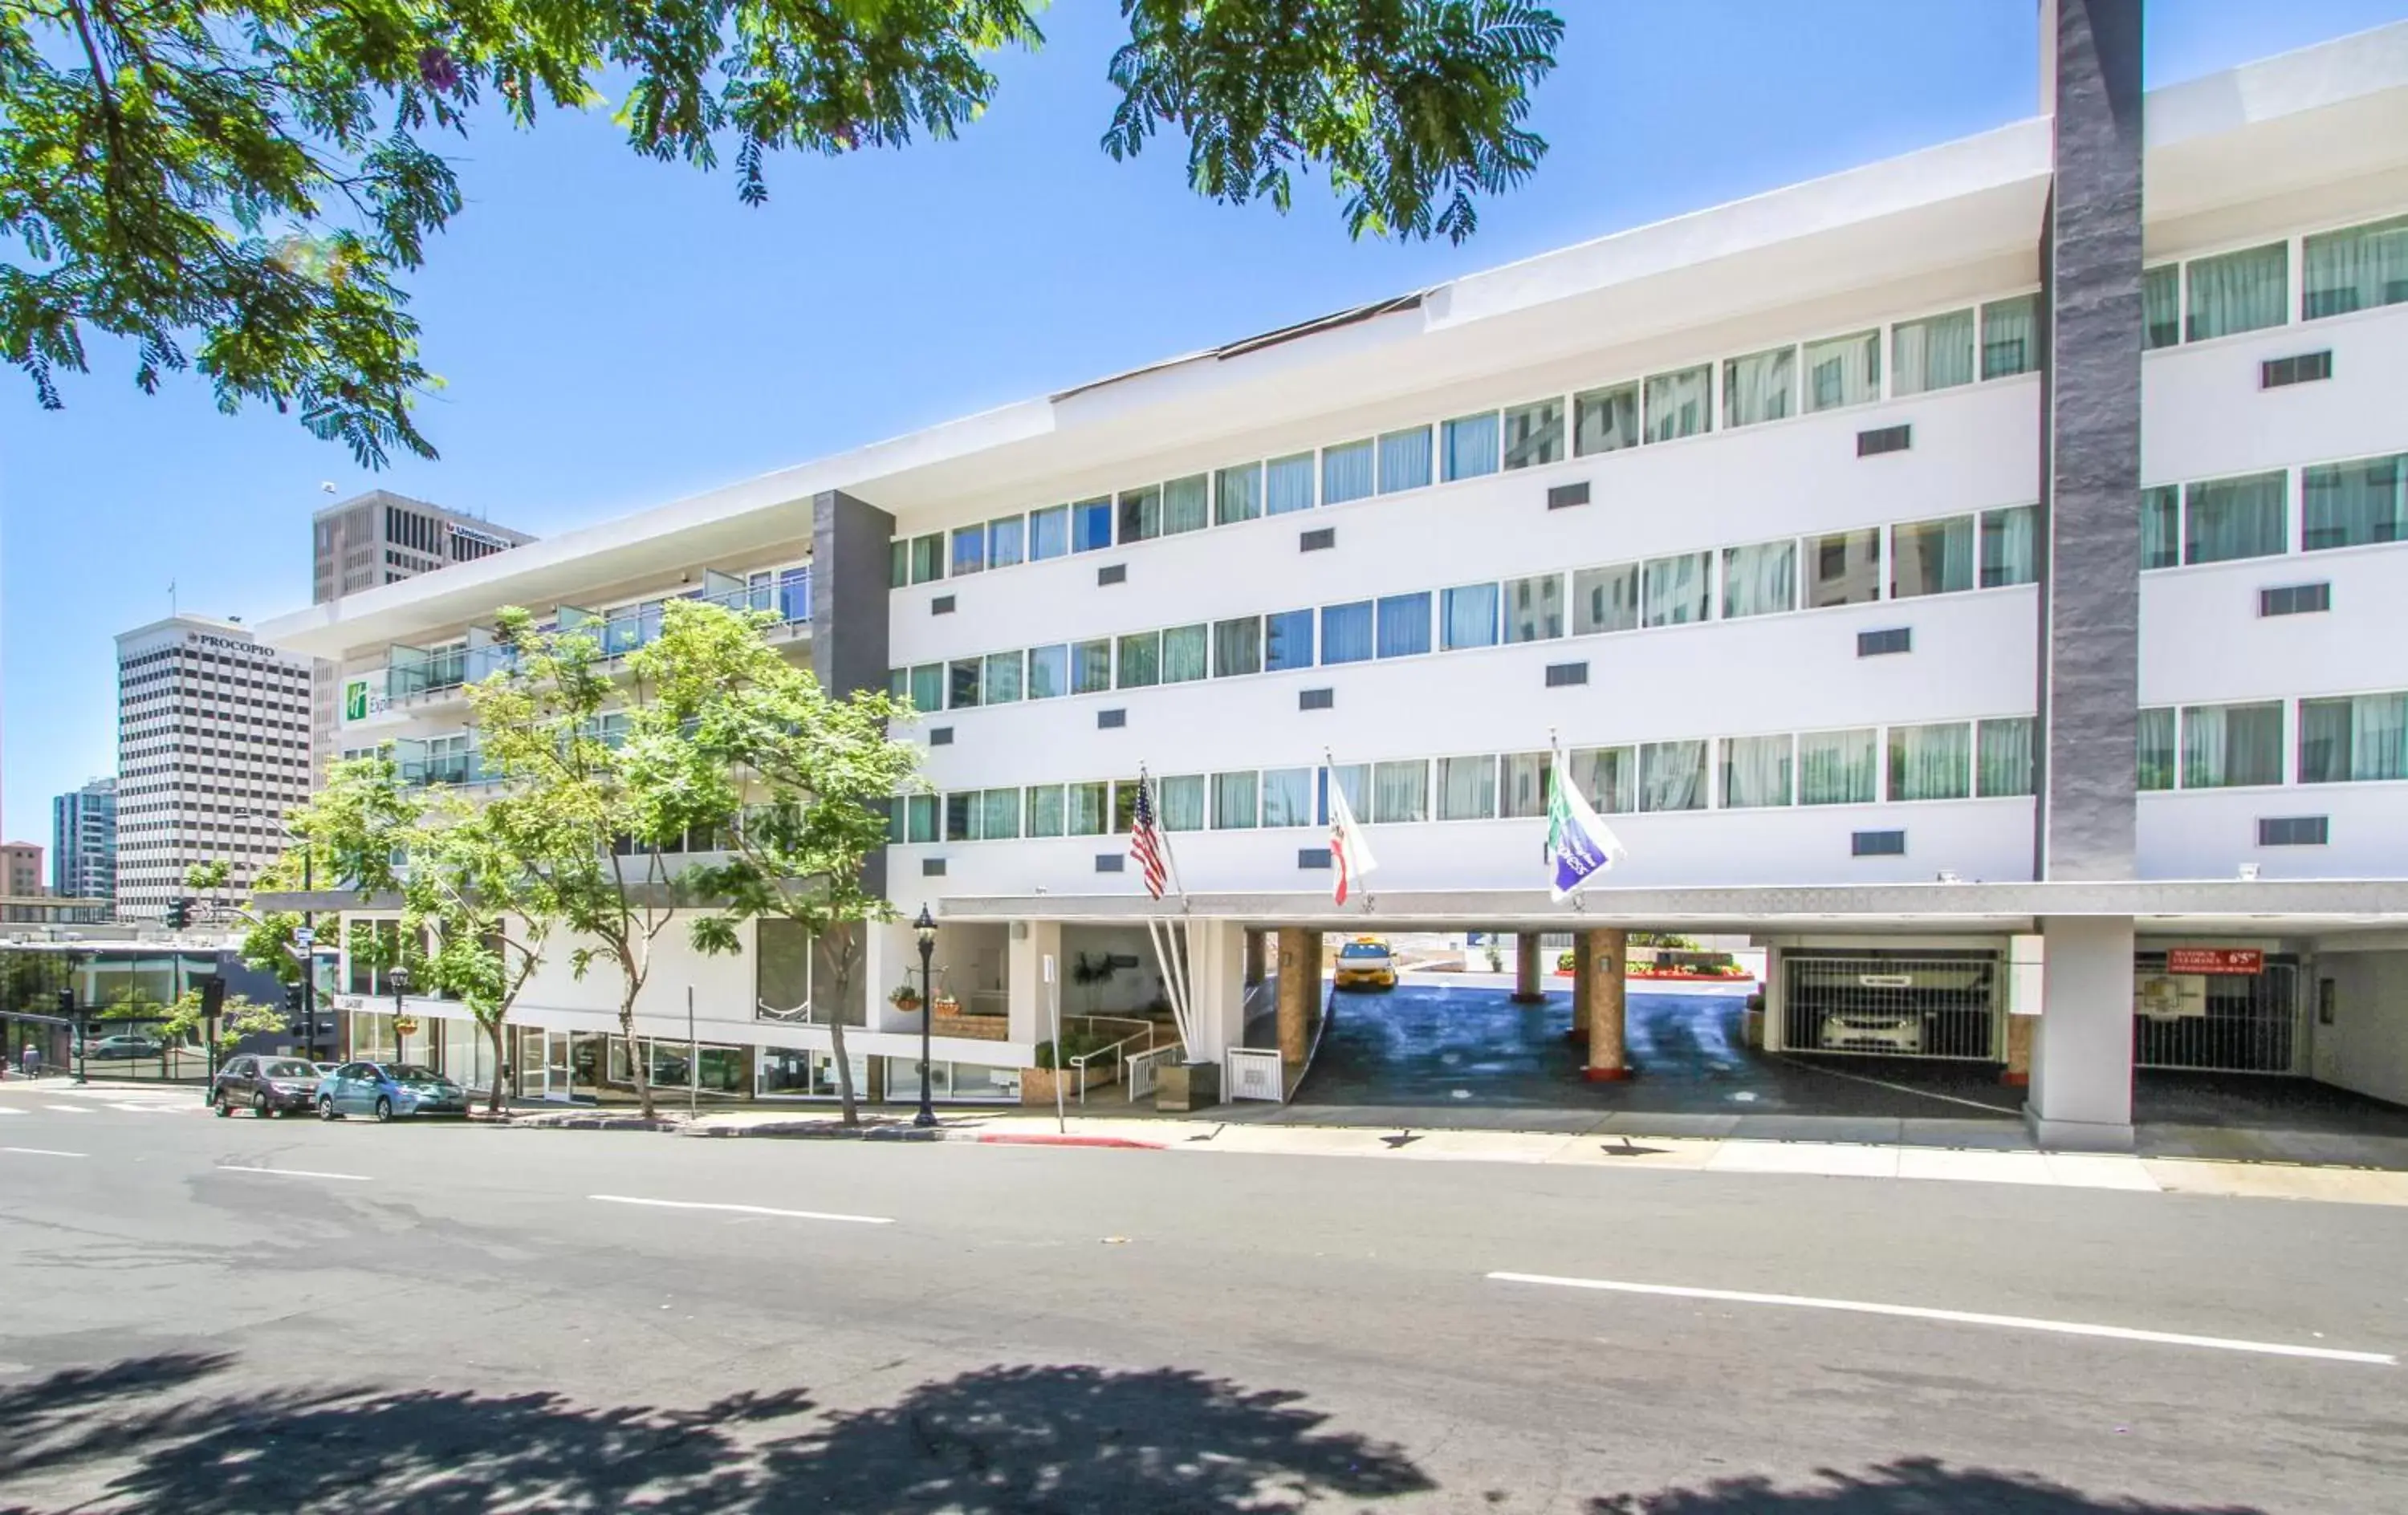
x=848 y=594
x=2090 y=443
x=1528 y=989
x=2081 y=1096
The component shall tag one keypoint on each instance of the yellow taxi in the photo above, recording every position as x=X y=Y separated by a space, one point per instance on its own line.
x=1365 y=963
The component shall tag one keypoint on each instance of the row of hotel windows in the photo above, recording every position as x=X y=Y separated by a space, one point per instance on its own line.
x=2353 y=739
x=1951 y=554
x=1995 y=340
x=2355 y=268
x=1942 y=761
x=2353 y=504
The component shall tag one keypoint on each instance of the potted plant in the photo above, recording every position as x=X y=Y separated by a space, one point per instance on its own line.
x=905 y=998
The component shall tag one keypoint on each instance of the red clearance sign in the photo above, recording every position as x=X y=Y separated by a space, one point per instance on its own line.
x=2214 y=960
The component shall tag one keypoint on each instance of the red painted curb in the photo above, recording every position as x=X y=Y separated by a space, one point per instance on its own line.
x=1604 y=1075
x=2013 y=1080
x=1037 y=1141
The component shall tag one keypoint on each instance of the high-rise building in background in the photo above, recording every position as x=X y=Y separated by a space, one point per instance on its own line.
x=376 y=539
x=21 y=869
x=212 y=749
x=83 y=841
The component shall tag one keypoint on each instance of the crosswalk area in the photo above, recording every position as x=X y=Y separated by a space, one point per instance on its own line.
x=64 y=1097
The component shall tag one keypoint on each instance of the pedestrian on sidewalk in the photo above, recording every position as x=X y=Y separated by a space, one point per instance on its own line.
x=32 y=1060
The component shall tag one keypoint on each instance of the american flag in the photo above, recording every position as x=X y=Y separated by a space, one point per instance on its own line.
x=1145 y=840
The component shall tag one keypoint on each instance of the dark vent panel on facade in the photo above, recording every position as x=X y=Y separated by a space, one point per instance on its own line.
x=1109 y=861
x=1884 y=439
x=1110 y=719
x=1568 y=495
x=1877 y=844
x=940 y=736
x=1111 y=573
x=2305 y=368
x=2295 y=600
x=2294 y=830
x=1312 y=857
x=1561 y=674
x=1314 y=541
x=1316 y=699
x=932 y=867
x=941 y=606
x=1882 y=643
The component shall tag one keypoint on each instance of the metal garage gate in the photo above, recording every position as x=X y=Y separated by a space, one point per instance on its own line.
x=1890 y=1004
x=2221 y=1022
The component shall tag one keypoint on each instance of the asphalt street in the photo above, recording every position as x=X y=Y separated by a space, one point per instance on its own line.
x=212 y=1315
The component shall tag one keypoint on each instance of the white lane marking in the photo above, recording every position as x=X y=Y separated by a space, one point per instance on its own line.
x=293 y=1173
x=1918 y=1312
x=69 y=1110
x=11 y=1109
x=744 y=1210
x=39 y=1152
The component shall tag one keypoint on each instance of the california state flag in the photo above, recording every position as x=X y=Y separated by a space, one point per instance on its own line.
x=1349 y=854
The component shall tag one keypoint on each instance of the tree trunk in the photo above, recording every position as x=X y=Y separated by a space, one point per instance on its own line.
x=638 y=1064
x=493 y=1096
x=836 y=1028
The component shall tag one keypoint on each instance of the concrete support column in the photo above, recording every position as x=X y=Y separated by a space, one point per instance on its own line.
x=1578 y=1036
x=1527 y=987
x=1216 y=970
x=1027 y=997
x=1254 y=969
x=1299 y=990
x=2081 y=1096
x=1607 y=957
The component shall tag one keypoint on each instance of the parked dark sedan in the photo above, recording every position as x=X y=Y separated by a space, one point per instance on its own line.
x=266 y=1086
x=385 y=1090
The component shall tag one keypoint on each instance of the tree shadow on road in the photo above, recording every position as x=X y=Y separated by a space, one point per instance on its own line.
x=1007 y=1439
x=1908 y=1486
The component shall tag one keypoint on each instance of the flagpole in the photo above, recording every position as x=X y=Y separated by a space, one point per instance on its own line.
x=1174 y=983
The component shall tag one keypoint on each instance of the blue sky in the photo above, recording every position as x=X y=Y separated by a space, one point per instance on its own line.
x=616 y=333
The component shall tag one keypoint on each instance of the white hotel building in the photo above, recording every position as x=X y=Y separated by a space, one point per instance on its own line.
x=1969 y=574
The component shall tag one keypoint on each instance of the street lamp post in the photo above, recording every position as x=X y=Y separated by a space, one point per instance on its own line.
x=399 y=978
x=925 y=928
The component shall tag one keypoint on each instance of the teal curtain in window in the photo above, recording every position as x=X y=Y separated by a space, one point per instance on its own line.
x=998 y=815
x=2357 y=269
x=1237 y=647
x=1930 y=762
x=1238 y=493
x=1755 y=772
x=1090 y=667
x=1933 y=354
x=1184 y=650
x=1931 y=557
x=2229 y=746
x=1606 y=420
x=2156 y=750
x=2010 y=336
x=1534 y=435
x=1235 y=805
x=1186 y=505
x=1470 y=616
x=929 y=688
x=1466 y=788
x=1523 y=787
x=923 y=811
x=1139 y=660
x=1003 y=678
x=1837 y=767
x=1404 y=460
x=1605 y=599
x=1141 y=514
x=1182 y=802
x=1087 y=813
x=1346 y=473
x=2161 y=526
x=1287 y=798
x=1609 y=776
x=1470 y=447
x=2010 y=554
x=2226 y=518
x=2239 y=292
x=1045 y=811
x=1400 y=791
x=2002 y=757
x=1679 y=589
x=1673 y=776
x=1762 y=386
x=2160 y=307
x=1049 y=671
x=1760 y=579
x=1844 y=371
x=1680 y=403
x=1287 y=484
x=2355 y=504
x=2358 y=738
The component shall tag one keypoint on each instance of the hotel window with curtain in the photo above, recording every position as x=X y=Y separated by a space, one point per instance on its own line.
x=1182 y=801
x=998 y=815
x=1930 y=762
x=1757 y=772
x=1090 y=667
x=1606 y=420
x=1607 y=778
x=929 y=688
x=1933 y=354
x=1184 y=653
x=923 y=812
x=1003 y=678
x=1404 y=460
x=1534 y=435
x=1140 y=658
x=1523 y=789
x=1186 y=505
x=1680 y=403
x=1091 y=525
x=2238 y=291
x=1287 y=798
x=1346 y=632
x=2156 y=750
x=1761 y=580
x=1238 y=495
x=1346 y=472
x=1468 y=615
x=2002 y=757
x=1141 y=514
x=1837 y=767
x=927 y=557
x=1049 y=671
x=1673 y=776
x=1605 y=599
x=2161 y=526
x=1236 y=801
x=1005 y=538
x=1679 y=589
x=1049 y=533
x=1931 y=557
x=962 y=684
x=2011 y=336
x=1404 y=625
x=1470 y=447
x=1287 y=640
x=1466 y=788
x=2357 y=269
x=1534 y=609
x=2355 y=739
x=1399 y=792
x=2231 y=746
x=1287 y=484
x=1762 y=386
x=1354 y=780
x=2228 y=519
x=2355 y=504
x=1842 y=371
x=1237 y=647
x=1045 y=811
x=1844 y=567
x=2010 y=554
x=2160 y=307
x=1085 y=806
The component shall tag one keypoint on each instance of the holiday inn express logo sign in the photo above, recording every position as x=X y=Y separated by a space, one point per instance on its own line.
x=355 y=700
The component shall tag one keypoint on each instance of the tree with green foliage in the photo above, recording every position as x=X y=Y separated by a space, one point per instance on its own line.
x=596 y=788
x=237 y=1018
x=487 y=919
x=806 y=779
x=241 y=187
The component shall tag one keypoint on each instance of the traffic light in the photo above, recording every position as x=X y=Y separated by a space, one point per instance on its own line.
x=292 y=998
x=66 y=1004
x=180 y=913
